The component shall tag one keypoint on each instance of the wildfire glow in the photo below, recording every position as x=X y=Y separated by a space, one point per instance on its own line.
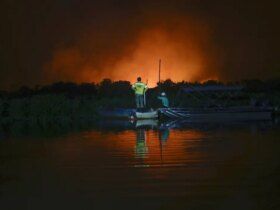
x=183 y=48
x=177 y=63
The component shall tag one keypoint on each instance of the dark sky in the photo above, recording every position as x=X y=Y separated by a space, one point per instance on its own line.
x=86 y=40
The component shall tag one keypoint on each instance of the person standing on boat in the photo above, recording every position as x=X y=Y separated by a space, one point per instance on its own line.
x=139 y=89
x=164 y=100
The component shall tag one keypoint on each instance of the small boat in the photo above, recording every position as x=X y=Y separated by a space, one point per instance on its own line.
x=192 y=115
x=217 y=114
x=117 y=113
x=210 y=109
x=146 y=114
x=120 y=113
x=146 y=123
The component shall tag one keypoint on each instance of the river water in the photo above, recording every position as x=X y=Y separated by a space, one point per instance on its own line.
x=143 y=166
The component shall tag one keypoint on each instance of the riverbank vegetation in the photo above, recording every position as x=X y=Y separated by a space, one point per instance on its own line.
x=66 y=101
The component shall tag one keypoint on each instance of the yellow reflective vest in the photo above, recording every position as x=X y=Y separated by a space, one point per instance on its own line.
x=139 y=88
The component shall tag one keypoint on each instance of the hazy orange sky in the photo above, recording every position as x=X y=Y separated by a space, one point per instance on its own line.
x=181 y=46
x=86 y=41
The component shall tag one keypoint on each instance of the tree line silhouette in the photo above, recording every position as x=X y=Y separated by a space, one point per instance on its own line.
x=109 y=88
x=69 y=100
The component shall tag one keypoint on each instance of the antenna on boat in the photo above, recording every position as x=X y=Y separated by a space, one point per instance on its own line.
x=159 y=70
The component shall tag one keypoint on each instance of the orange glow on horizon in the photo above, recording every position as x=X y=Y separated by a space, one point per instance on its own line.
x=182 y=53
x=151 y=46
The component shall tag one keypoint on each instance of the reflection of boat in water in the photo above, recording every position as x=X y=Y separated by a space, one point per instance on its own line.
x=120 y=125
x=141 y=148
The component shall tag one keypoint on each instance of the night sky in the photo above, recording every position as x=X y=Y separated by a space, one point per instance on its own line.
x=45 y=41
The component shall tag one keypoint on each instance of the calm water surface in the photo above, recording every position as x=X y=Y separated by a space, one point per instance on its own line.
x=192 y=166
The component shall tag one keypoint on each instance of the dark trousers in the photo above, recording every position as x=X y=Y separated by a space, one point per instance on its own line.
x=139 y=99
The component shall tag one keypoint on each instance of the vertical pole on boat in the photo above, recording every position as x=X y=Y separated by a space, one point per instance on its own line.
x=159 y=70
x=144 y=98
x=145 y=95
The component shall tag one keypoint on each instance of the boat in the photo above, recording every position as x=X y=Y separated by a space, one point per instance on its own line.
x=214 y=114
x=214 y=110
x=143 y=123
x=245 y=113
x=121 y=113
x=117 y=113
x=153 y=114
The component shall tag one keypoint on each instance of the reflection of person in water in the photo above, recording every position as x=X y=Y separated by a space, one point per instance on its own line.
x=141 y=148
x=163 y=135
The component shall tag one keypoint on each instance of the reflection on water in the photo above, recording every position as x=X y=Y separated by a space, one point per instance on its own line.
x=141 y=148
x=163 y=135
x=141 y=165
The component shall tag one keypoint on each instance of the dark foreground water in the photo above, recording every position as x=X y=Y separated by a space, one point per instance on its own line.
x=190 y=166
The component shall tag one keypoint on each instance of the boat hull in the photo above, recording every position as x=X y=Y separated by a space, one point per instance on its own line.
x=128 y=114
x=230 y=114
x=117 y=113
x=147 y=115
